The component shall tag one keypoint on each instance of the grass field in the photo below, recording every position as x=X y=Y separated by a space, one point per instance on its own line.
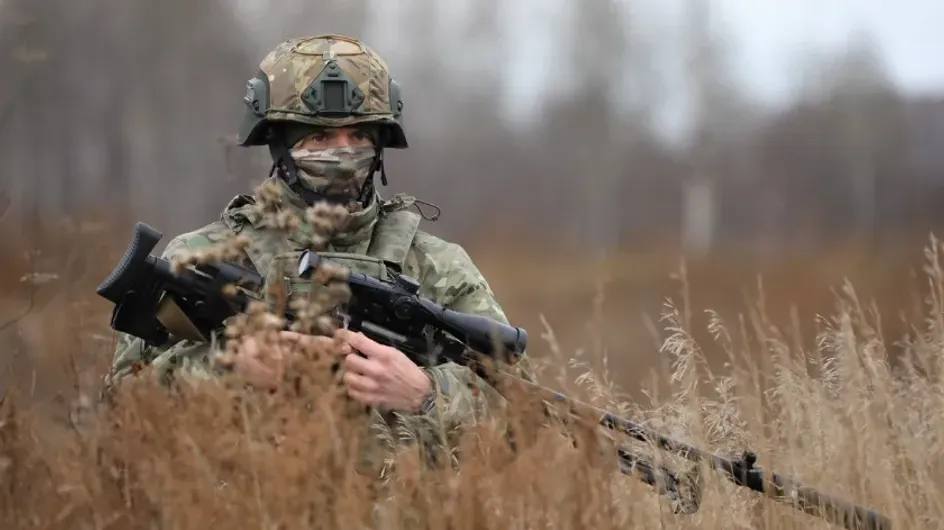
x=840 y=388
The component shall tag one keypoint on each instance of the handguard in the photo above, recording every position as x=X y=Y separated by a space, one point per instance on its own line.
x=397 y=315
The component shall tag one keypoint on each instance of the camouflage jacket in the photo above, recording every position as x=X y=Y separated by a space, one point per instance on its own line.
x=386 y=231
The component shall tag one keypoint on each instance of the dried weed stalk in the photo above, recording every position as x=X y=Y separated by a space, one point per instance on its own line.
x=840 y=414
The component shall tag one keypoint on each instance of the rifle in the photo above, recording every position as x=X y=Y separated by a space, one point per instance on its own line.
x=150 y=297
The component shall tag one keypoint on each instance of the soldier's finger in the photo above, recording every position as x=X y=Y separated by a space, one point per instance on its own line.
x=307 y=342
x=340 y=347
x=360 y=383
x=364 y=398
x=361 y=365
x=301 y=338
x=289 y=337
x=248 y=347
x=365 y=345
x=256 y=373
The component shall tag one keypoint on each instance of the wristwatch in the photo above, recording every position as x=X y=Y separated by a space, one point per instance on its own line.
x=429 y=402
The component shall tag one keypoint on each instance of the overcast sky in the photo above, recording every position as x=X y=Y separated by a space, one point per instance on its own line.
x=768 y=38
x=909 y=32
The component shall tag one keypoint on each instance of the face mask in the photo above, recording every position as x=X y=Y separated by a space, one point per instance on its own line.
x=337 y=174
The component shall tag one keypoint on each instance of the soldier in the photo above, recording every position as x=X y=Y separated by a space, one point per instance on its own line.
x=327 y=108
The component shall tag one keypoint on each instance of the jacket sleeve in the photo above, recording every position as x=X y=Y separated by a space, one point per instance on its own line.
x=174 y=357
x=462 y=396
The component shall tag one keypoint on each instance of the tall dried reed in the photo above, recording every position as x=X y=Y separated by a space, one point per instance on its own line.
x=842 y=416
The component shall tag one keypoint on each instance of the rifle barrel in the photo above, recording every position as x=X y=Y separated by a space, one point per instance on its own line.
x=741 y=472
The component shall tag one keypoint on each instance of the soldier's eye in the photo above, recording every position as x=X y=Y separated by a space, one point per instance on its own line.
x=364 y=137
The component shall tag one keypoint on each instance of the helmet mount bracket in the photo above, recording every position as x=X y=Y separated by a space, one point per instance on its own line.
x=332 y=92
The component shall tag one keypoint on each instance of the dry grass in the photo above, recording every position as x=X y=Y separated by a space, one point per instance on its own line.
x=820 y=399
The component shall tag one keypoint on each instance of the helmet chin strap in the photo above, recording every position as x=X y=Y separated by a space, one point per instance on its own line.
x=284 y=164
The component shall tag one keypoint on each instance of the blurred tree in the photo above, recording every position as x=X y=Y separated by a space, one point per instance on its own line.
x=582 y=128
x=134 y=105
x=840 y=153
x=30 y=157
x=870 y=127
x=453 y=83
x=183 y=70
x=482 y=148
x=721 y=118
x=118 y=106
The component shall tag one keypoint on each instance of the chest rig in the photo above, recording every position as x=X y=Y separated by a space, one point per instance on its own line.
x=274 y=254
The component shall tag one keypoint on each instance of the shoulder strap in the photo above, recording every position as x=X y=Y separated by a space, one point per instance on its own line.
x=394 y=233
x=264 y=245
x=238 y=202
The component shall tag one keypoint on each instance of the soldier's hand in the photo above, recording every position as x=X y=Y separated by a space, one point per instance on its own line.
x=261 y=359
x=384 y=376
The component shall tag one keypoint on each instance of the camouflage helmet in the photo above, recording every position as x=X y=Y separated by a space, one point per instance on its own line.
x=326 y=80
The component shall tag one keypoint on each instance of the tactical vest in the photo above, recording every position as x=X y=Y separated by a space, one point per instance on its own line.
x=274 y=255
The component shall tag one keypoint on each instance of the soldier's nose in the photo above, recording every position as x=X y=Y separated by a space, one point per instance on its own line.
x=344 y=139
